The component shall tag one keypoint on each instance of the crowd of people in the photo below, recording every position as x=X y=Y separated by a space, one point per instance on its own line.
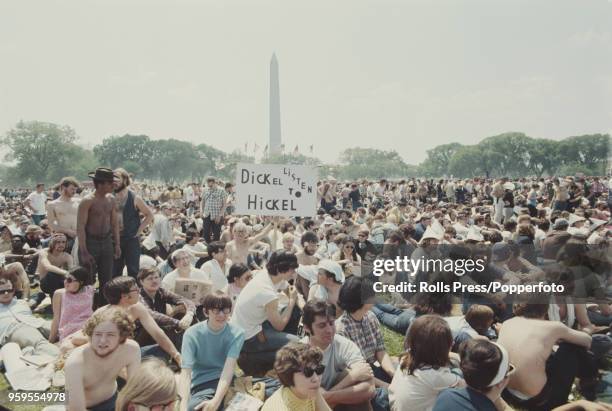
x=286 y=316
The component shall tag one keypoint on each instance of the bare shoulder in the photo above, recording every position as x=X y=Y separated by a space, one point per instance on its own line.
x=137 y=310
x=86 y=201
x=131 y=347
x=76 y=358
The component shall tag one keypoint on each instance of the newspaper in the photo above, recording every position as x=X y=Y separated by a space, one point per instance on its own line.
x=194 y=290
x=244 y=402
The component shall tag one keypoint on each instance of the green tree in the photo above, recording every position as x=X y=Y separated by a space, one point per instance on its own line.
x=119 y=151
x=38 y=148
x=589 y=152
x=438 y=159
x=371 y=163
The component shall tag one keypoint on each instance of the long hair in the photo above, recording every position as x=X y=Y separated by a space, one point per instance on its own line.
x=153 y=383
x=428 y=343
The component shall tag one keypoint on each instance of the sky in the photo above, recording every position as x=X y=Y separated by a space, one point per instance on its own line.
x=404 y=75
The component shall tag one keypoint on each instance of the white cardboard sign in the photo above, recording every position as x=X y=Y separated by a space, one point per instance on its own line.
x=276 y=190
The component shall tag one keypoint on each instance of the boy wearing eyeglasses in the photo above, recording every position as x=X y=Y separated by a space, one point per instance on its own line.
x=210 y=352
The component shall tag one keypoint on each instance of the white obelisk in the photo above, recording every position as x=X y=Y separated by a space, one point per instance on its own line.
x=275 y=122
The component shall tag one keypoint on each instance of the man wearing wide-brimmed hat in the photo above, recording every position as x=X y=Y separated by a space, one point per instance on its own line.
x=98 y=227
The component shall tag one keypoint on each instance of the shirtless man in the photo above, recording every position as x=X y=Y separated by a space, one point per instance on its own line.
x=129 y=208
x=62 y=212
x=544 y=378
x=92 y=369
x=238 y=249
x=96 y=222
x=53 y=265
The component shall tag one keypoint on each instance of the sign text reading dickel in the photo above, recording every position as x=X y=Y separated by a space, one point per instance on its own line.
x=272 y=189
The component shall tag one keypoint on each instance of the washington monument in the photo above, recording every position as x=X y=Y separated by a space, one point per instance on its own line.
x=275 y=122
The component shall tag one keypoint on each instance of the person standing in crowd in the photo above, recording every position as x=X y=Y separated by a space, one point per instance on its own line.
x=63 y=211
x=161 y=232
x=98 y=228
x=36 y=202
x=213 y=209
x=129 y=207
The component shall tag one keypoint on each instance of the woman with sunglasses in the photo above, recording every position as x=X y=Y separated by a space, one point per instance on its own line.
x=348 y=258
x=72 y=305
x=299 y=370
x=151 y=388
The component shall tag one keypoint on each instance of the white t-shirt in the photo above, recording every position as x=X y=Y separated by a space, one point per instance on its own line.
x=337 y=357
x=37 y=202
x=215 y=274
x=169 y=280
x=419 y=391
x=250 y=310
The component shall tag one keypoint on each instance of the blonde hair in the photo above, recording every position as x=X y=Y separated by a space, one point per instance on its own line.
x=125 y=176
x=153 y=383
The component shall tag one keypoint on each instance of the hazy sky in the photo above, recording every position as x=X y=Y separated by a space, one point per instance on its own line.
x=404 y=75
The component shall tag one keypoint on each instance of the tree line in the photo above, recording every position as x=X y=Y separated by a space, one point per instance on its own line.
x=45 y=152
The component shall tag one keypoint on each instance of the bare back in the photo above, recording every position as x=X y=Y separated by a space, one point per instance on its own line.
x=529 y=343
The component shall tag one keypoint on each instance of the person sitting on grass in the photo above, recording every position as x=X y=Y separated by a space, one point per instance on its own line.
x=157 y=299
x=72 y=305
x=299 y=369
x=544 y=377
x=425 y=367
x=152 y=387
x=486 y=369
x=92 y=369
x=210 y=351
x=257 y=312
x=361 y=326
x=348 y=381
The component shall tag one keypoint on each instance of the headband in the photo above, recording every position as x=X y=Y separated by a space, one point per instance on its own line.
x=503 y=366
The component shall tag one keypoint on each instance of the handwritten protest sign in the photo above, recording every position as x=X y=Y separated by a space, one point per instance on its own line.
x=276 y=190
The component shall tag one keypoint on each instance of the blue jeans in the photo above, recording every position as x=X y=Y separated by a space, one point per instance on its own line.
x=130 y=256
x=598 y=318
x=396 y=319
x=38 y=218
x=261 y=355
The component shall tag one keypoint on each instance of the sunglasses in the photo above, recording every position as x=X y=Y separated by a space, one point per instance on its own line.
x=4 y=292
x=309 y=371
x=349 y=246
x=70 y=280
